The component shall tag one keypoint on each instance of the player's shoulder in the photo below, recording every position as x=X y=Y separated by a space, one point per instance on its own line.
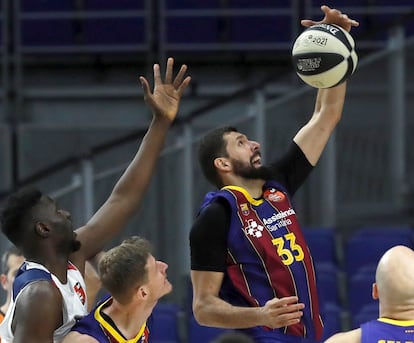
x=77 y=337
x=353 y=336
x=217 y=207
x=40 y=291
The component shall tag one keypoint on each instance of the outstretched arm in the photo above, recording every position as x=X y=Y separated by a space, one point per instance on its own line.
x=129 y=191
x=313 y=137
x=210 y=310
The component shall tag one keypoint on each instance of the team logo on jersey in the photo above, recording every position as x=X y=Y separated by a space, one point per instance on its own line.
x=254 y=229
x=80 y=292
x=273 y=194
x=244 y=208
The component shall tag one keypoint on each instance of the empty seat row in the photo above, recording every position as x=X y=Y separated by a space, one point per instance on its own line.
x=346 y=281
x=164 y=324
x=98 y=23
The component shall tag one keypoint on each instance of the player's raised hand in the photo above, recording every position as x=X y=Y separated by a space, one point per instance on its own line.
x=165 y=100
x=332 y=16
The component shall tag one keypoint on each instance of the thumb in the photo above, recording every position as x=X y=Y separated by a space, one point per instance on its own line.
x=308 y=22
x=145 y=86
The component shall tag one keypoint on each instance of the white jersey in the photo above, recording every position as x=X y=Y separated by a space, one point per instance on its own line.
x=73 y=295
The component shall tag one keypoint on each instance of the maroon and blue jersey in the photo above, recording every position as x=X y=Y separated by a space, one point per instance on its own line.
x=267 y=257
x=385 y=330
x=99 y=326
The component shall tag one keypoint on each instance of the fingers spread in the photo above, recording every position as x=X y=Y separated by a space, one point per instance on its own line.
x=180 y=75
x=169 y=70
x=145 y=86
x=183 y=85
x=157 y=75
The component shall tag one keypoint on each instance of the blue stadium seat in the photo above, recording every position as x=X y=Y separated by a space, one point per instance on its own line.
x=339 y=4
x=367 y=245
x=367 y=313
x=393 y=3
x=114 y=31
x=409 y=28
x=203 y=30
x=48 y=32
x=327 y=283
x=165 y=324
x=260 y=3
x=331 y=316
x=360 y=290
x=46 y=5
x=260 y=29
x=192 y=4
x=322 y=244
x=202 y=334
x=113 y=5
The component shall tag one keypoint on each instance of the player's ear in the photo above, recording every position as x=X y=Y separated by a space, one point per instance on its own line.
x=222 y=163
x=374 y=291
x=142 y=292
x=42 y=229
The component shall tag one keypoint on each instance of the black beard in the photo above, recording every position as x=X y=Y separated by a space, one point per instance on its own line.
x=250 y=172
x=75 y=245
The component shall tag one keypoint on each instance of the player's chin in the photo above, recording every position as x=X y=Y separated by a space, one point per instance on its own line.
x=76 y=245
x=168 y=287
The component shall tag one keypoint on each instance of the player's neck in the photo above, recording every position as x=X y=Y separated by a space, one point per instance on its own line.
x=253 y=186
x=57 y=265
x=401 y=314
x=128 y=319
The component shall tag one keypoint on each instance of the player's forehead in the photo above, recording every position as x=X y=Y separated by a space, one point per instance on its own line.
x=235 y=136
x=151 y=262
x=46 y=200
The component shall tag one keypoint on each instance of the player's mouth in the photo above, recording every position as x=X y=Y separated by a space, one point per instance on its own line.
x=256 y=160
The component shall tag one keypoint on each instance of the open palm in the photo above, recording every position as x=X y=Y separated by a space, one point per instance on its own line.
x=165 y=100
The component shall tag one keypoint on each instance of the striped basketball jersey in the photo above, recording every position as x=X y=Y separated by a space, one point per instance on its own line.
x=99 y=326
x=267 y=258
x=384 y=330
x=73 y=297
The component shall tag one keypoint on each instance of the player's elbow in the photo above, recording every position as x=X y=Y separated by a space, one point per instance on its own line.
x=200 y=312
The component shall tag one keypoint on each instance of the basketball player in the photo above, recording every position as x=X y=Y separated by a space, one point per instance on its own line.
x=251 y=268
x=49 y=290
x=394 y=288
x=135 y=280
x=11 y=260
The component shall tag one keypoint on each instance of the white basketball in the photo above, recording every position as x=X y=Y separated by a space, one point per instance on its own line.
x=324 y=55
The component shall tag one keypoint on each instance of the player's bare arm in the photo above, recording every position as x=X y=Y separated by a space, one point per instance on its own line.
x=129 y=191
x=210 y=310
x=38 y=313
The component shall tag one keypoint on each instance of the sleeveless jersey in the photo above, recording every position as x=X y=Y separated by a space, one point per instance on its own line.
x=267 y=257
x=97 y=326
x=73 y=295
x=384 y=330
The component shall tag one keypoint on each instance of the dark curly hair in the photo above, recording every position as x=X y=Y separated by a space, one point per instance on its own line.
x=16 y=211
x=211 y=146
